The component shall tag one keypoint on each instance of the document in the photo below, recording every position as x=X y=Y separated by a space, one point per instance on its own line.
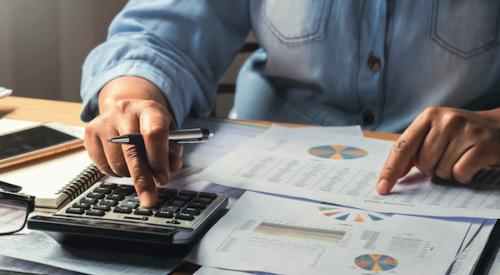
x=495 y=266
x=325 y=166
x=467 y=259
x=229 y=135
x=41 y=248
x=263 y=232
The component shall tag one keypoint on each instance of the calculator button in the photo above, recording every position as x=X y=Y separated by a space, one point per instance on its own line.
x=197 y=205
x=104 y=190
x=89 y=200
x=121 y=209
x=164 y=214
x=177 y=203
x=82 y=205
x=143 y=211
x=124 y=190
x=182 y=197
x=108 y=185
x=167 y=191
x=191 y=211
x=133 y=198
x=170 y=208
x=129 y=204
x=108 y=202
x=95 y=195
x=73 y=210
x=115 y=197
x=184 y=216
x=203 y=200
x=102 y=207
x=95 y=212
x=207 y=195
x=187 y=193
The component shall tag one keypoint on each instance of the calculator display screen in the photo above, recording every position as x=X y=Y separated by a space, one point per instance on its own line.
x=29 y=140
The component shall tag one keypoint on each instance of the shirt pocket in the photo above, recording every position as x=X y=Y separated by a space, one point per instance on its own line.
x=295 y=22
x=465 y=27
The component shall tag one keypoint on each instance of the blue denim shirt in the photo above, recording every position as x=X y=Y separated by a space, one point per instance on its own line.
x=376 y=63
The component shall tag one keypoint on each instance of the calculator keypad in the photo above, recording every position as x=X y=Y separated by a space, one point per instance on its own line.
x=175 y=208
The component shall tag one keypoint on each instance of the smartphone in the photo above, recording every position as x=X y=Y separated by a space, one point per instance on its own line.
x=36 y=142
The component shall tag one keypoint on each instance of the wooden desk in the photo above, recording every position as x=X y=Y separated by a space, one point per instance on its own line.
x=67 y=112
x=42 y=110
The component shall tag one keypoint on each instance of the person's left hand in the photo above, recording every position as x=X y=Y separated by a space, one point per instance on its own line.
x=451 y=144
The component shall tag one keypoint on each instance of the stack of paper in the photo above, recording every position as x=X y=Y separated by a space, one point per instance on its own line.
x=5 y=92
x=274 y=234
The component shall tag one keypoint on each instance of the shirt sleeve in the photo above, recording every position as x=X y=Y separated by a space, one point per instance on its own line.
x=184 y=47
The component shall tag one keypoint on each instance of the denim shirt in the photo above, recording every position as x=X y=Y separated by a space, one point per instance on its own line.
x=376 y=63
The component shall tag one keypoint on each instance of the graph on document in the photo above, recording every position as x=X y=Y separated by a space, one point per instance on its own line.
x=375 y=262
x=346 y=215
x=337 y=152
x=302 y=232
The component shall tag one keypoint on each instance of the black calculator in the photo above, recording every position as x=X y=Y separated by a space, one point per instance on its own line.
x=111 y=211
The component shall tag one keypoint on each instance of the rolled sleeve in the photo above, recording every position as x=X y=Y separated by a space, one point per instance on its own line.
x=183 y=47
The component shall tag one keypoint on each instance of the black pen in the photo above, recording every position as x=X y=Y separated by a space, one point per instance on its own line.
x=181 y=136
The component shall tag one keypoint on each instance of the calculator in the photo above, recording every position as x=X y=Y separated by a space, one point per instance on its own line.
x=110 y=211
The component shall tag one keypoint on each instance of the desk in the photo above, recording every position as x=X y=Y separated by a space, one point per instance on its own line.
x=43 y=110
x=69 y=113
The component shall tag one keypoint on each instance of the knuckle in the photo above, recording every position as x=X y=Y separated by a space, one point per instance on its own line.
x=431 y=112
x=155 y=131
x=151 y=104
x=131 y=152
x=401 y=147
x=122 y=105
x=454 y=120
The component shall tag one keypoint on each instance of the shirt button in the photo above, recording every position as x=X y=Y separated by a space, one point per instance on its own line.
x=374 y=62
x=368 y=117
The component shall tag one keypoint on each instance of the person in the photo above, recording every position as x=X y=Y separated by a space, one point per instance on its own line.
x=383 y=64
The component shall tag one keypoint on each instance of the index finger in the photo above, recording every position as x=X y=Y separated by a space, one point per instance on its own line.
x=138 y=168
x=402 y=154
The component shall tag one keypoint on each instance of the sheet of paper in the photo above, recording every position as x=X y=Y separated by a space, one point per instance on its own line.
x=4 y=92
x=467 y=259
x=229 y=135
x=207 y=270
x=343 y=170
x=495 y=266
x=41 y=248
x=9 y=264
x=262 y=232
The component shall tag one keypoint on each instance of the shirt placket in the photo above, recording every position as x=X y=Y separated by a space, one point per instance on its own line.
x=371 y=46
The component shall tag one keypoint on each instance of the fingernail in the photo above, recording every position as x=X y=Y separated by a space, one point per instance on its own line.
x=382 y=186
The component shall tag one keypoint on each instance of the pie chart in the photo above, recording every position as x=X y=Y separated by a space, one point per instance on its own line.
x=337 y=152
x=375 y=262
x=343 y=215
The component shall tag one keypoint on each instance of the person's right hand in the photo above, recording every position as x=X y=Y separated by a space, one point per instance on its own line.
x=130 y=105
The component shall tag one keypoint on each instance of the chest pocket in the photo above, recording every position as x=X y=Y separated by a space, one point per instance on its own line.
x=465 y=27
x=295 y=22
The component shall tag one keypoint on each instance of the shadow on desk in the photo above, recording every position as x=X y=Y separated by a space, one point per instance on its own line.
x=5 y=111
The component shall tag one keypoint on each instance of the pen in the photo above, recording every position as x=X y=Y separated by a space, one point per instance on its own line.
x=181 y=136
